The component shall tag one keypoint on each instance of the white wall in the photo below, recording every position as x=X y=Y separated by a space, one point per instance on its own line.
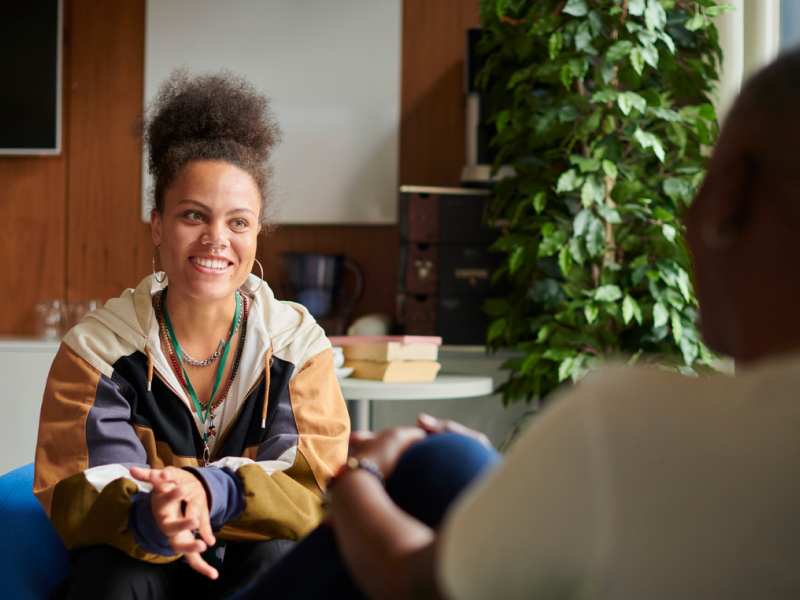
x=332 y=69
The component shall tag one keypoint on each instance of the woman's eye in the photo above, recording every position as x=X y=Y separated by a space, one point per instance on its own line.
x=194 y=216
x=239 y=223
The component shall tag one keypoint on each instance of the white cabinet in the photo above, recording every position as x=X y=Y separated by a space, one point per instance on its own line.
x=24 y=365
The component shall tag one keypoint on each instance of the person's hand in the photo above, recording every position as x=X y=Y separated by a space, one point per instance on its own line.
x=385 y=448
x=431 y=424
x=180 y=506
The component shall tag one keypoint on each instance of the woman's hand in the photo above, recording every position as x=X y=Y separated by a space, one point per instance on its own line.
x=180 y=506
x=431 y=424
x=385 y=448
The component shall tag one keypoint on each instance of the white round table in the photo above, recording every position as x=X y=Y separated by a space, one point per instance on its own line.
x=361 y=392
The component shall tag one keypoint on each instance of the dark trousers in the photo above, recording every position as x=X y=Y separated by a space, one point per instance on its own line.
x=105 y=572
x=429 y=476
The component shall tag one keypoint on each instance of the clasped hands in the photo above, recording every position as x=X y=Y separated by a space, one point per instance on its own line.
x=180 y=507
x=385 y=449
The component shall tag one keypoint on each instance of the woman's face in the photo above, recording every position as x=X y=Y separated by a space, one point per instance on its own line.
x=211 y=205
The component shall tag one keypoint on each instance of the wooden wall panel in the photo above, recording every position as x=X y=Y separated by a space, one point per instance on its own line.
x=109 y=249
x=32 y=211
x=432 y=105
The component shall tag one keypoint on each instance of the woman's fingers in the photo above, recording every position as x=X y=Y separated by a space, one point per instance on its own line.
x=198 y=564
x=185 y=542
x=172 y=527
x=198 y=509
x=433 y=425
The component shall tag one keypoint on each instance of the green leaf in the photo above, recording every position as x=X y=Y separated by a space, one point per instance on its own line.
x=586 y=165
x=607 y=293
x=550 y=245
x=565 y=368
x=719 y=9
x=669 y=232
x=650 y=55
x=591 y=311
x=636 y=7
x=707 y=112
x=610 y=215
x=587 y=193
x=515 y=260
x=667 y=39
x=518 y=76
x=655 y=17
x=558 y=354
x=546 y=292
x=500 y=8
x=576 y=251
x=580 y=224
x=648 y=140
x=618 y=50
x=554 y=44
x=503 y=117
x=689 y=350
x=568 y=181
x=576 y=8
x=665 y=114
x=604 y=96
x=696 y=22
x=539 y=202
x=637 y=60
x=660 y=314
x=545 y=25
x=566 y=76
x=529 y=362
x=637 y=101
x=677 y=327
x=583 y=39
x=579 y=67
x=631 y=310
x=565 y=260
x=595 y=238
x=610 y=169
x=640 y=261
x=496 y=329
x=624 y=103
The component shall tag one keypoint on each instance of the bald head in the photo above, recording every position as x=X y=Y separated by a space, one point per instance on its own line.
x=744 y=226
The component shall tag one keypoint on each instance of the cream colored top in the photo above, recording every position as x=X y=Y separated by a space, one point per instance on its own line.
x=641 y=484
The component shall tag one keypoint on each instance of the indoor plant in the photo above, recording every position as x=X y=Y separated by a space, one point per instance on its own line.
x=603 y=108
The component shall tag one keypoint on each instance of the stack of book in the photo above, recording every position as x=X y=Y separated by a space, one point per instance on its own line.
x=390 y=357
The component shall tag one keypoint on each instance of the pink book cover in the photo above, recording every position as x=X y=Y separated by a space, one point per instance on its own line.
x=343 y=340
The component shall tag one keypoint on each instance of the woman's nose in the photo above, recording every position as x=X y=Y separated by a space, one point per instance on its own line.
x=215 y=237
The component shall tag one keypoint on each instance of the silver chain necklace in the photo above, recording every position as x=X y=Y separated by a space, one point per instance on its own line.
x=213 y=358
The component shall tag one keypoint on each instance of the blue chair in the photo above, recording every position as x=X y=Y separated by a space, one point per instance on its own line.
x=33 y=558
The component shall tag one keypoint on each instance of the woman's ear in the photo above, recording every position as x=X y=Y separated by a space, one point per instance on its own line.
x=155 y=226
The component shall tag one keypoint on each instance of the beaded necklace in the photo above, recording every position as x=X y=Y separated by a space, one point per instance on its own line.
x=171 y=343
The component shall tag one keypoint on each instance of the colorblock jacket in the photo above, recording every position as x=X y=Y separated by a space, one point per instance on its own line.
x=98 y=419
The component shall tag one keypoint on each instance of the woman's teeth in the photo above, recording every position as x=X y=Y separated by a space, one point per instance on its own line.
x=210 y=263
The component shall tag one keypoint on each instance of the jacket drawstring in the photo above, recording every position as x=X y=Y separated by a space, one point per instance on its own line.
x=149 y=369
x=267 y=368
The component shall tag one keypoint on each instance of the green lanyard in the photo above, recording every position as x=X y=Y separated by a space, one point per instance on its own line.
x=220 y=369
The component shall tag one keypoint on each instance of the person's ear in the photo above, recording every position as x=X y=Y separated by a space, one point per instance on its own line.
x=155 y=226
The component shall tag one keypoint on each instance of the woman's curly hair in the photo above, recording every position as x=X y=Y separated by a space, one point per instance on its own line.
x=209 y=117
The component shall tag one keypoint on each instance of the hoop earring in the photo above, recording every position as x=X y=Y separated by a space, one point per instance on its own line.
x=154 y=267
x=260 y=281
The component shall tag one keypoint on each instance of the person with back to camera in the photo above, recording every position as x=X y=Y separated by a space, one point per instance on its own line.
x=197 y=401
x=636 y=483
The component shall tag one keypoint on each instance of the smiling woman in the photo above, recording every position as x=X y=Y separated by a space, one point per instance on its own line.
x=196 y=403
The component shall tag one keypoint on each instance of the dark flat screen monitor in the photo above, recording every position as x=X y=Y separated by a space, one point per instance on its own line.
x=30 y=77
